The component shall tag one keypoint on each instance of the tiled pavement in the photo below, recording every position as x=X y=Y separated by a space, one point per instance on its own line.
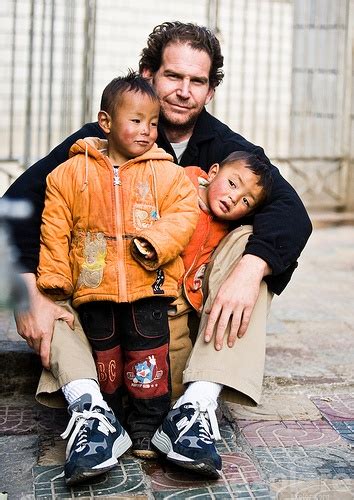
x=298 y=444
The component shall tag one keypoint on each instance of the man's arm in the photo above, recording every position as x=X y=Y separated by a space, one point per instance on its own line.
x=31 y=185
x=36 y=326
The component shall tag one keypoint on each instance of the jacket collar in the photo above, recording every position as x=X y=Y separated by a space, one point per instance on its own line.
x=202 y=132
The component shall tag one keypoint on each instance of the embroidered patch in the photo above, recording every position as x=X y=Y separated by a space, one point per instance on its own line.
x=143 y=215
x=146 y=372
x=158 y=283
x=95 y=251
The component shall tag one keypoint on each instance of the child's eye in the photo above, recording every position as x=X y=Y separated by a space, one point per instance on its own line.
x=246 y=202
x=154 y=124
x=232 y=184
x=135 y=120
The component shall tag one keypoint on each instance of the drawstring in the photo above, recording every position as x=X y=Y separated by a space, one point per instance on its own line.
x=154 y=182
x=86 y=169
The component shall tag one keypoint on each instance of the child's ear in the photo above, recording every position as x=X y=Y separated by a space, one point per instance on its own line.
x=104 y=121
x=213 y=171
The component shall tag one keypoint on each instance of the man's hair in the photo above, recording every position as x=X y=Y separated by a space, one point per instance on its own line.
x=259 y=166
x=132 y=82
x=197 y=37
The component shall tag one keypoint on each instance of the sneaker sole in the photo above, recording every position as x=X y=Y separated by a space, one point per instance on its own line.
x=163 y=443
x=203 y=467
x=120 y=446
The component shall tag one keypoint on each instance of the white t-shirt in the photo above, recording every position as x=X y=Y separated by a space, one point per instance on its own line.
x=179 y=148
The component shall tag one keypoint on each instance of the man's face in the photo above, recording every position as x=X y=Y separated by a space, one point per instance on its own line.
x=233 y=191
x=182 y=84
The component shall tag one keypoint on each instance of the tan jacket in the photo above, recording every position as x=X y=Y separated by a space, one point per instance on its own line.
x=93 y=211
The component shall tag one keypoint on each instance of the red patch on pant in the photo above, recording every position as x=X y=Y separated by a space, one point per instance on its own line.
x=109 y=366
x=146 y=372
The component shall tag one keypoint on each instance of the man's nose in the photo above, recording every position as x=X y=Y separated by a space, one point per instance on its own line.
x=184 y=89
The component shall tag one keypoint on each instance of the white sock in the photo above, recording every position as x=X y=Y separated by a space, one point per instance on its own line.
x=201 y=390
x=77 y=388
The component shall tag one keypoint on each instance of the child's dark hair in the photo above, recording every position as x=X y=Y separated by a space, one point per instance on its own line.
x=259 y=166
x=132 y=82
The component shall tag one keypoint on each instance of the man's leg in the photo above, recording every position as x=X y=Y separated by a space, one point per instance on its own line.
x=188 y=433
x=180 y=342
x=240 y=368
x=71 y=359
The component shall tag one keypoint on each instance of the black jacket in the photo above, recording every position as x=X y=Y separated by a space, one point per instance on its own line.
x=281 y=227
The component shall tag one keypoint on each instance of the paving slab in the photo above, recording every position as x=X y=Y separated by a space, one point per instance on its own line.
x=336 y=408
x=290 y=433
x=18 y=457
x=320 y=489
x=125 y=479
x=305 y=463
x=25 y=419
x=277 y=407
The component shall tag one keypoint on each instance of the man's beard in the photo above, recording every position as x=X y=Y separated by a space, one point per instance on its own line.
x=182 y=128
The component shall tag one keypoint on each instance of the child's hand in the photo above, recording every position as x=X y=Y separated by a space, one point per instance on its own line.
x=145 y=249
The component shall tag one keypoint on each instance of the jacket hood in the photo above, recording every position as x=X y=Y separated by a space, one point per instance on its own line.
x=97 y=148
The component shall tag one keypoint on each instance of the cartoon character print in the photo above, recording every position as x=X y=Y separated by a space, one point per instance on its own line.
x=95 y=251
x=145 y=373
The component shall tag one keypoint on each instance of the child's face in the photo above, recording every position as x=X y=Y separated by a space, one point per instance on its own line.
x=133 y=127
x=233 y=191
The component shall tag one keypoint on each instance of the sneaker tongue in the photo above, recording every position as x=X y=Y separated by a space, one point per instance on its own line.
x=81 y=404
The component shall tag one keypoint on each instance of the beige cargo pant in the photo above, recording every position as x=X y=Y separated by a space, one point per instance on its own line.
x=240 y=369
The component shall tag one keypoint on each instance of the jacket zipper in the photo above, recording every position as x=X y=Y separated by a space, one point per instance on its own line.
x=119 y=236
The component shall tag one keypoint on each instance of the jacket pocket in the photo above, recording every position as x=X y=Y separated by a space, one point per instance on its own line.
x=150 y=317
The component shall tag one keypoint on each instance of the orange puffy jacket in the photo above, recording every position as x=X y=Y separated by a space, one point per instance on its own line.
x=94 y=210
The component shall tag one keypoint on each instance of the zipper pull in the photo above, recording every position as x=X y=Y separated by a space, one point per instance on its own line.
x=116 y=179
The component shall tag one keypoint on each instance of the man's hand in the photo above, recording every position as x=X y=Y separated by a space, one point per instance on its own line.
x=36 y=325
x=235 y=301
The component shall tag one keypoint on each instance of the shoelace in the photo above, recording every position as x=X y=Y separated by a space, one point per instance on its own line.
x=79 y=419
x=204 y=414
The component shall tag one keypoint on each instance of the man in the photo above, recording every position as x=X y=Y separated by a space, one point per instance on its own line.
x=184 y=64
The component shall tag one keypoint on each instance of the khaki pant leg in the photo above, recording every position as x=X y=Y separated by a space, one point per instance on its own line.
x=70 y=359
x=240 y=368
x=180 y=343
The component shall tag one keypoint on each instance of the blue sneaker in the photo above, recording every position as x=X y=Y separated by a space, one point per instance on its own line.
x=97 y=440
x=187 y=437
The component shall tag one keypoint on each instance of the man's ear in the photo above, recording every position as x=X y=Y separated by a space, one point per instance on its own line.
x=210 y=95
x=104 y=121
x=213 y=171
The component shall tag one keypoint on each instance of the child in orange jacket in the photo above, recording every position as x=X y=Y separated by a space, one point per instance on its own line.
x=109 y=243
